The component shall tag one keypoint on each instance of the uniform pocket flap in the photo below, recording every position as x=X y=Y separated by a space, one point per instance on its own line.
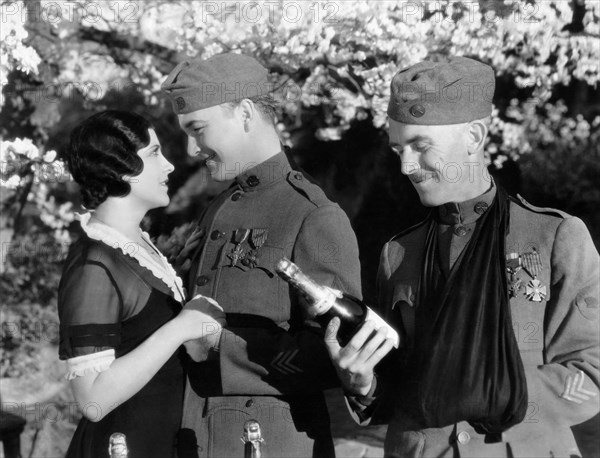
x=404 y=293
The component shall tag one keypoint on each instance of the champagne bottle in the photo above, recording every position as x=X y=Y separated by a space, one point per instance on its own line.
x=117 y=446
x=252 y=439
x=326 y=303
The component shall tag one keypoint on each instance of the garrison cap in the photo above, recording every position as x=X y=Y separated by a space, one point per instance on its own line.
x=441 y=93
x=197 y=84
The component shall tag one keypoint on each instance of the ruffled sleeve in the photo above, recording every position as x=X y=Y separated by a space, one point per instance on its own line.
x=87 y=364
x=89 y=307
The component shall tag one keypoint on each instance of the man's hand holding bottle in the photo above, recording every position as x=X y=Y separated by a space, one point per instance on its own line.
x=356 y=361
x=356 y=337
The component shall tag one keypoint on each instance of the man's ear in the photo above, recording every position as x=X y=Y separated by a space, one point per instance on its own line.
x=477 y=131
x=247 y=111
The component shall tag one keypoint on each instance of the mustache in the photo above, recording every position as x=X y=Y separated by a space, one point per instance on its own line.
x=421 y=175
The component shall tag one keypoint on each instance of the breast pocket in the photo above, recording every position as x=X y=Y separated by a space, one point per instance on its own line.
x=252 y=286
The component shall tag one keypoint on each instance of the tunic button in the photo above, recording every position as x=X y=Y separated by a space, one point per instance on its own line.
x=252 y=181
x=461 y=231
x=298 y=176
x=480 y=208
x=464 y=437
x=202 y=280
x=235 y=197
x=249 y=403
x=215 y=235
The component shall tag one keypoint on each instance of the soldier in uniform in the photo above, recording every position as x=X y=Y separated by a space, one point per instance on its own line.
x=269 y=362
x=540 y=262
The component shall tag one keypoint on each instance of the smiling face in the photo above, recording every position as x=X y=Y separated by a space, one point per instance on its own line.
x=149 y=188
x=437 y=161
x=220 y=137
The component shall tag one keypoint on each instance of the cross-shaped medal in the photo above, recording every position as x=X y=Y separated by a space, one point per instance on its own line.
x=536 y=292
x=239 y=237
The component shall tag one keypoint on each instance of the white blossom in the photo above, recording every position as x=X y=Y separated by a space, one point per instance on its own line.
x=12 y=182
x=23 y=147
x=49 y=156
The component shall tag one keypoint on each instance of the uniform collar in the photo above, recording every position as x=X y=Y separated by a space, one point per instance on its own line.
x=265 y=174
x=466 y=212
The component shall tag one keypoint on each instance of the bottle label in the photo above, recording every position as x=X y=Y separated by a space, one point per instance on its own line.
x=380 y=323
x=326 y=301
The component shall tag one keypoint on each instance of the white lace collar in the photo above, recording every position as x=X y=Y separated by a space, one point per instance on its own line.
x=104 y=233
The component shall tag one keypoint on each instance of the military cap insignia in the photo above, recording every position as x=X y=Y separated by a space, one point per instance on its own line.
x=532 y=263
x=574 y=390
x=180 y=101
x=417 y=110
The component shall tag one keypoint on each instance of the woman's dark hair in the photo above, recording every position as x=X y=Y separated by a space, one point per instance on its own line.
x=103 y=151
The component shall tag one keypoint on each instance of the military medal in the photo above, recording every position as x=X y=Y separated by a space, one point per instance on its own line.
x=514 y=287
x=513 y=265
x=258 y=238
x=532 y=263
x=239 y=237
x=250 y=259
x=536 y=292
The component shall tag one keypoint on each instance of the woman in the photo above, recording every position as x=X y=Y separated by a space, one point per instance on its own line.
x=121 y=321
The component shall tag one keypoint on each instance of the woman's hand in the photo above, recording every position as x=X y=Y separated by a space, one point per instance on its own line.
x=202 y=320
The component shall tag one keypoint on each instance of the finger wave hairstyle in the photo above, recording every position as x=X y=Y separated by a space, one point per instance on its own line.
x=103 y=151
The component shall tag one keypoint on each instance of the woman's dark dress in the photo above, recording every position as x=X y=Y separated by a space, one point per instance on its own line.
x=107 y=300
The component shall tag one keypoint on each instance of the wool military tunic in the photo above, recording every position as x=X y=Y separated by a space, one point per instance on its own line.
x=554 y=309
x=272 y=364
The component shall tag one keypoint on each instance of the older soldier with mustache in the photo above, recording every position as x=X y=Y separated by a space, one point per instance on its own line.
x=496 y=300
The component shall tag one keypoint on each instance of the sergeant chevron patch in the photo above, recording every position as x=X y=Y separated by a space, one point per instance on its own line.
x=574 y=390
x=283 y=362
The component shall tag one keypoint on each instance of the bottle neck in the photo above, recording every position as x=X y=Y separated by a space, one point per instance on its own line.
x=320 y=298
